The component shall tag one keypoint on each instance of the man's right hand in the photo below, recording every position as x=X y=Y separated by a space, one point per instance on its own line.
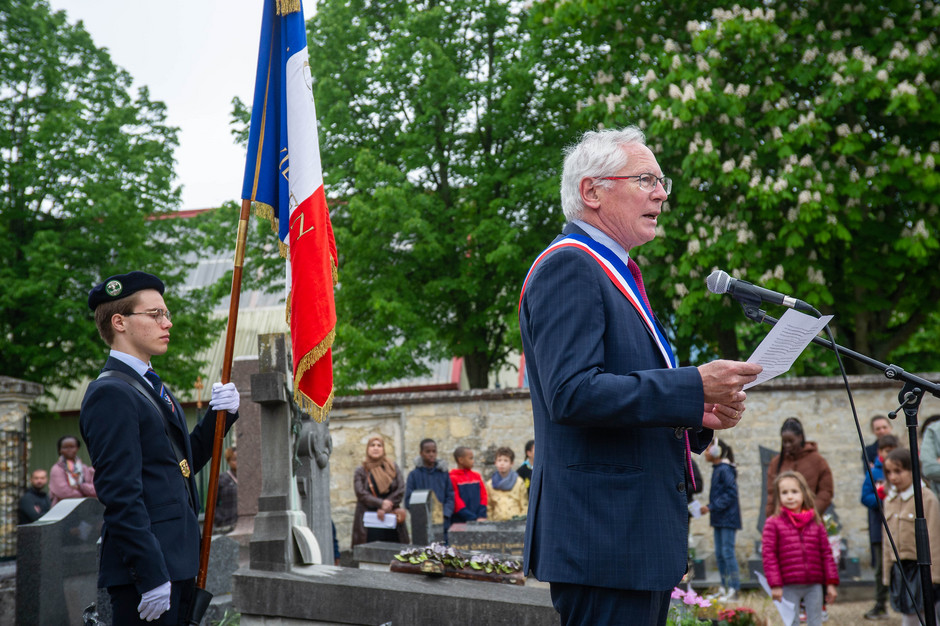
x=723 y=381
x=155 y=602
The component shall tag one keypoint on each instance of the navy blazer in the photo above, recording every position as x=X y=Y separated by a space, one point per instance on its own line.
x=607 y=502
x=151 y=532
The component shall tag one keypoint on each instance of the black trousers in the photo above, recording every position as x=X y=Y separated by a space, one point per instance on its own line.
x=581 y=605
x=881 y=590
x=125 y=599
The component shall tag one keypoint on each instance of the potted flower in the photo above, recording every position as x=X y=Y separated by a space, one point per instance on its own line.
x=741 y=616
x=833 y=532
x=684 y=607
x=687 y=608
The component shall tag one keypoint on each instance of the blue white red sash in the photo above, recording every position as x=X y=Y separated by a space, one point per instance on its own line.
x=620 y=276
x=623 y=280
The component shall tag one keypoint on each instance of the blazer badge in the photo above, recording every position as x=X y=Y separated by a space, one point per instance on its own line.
x=184 y=468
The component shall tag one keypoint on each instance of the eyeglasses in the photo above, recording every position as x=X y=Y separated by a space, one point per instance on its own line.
x=158 y=315
x=647 y=182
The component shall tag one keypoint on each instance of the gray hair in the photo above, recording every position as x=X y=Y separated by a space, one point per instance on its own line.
x=598 y=153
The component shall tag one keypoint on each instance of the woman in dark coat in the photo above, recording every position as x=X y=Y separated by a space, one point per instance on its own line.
x=379 y=487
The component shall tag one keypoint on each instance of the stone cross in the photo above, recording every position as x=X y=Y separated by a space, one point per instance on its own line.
x=277 y=525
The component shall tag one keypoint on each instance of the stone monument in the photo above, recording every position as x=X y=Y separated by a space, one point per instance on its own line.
x=314 y=446
x=281 y=536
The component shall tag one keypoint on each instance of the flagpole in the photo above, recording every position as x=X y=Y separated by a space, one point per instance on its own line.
x=220 y=416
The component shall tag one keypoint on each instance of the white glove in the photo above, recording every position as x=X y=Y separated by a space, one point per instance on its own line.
x=154 y=602
x=224 y=397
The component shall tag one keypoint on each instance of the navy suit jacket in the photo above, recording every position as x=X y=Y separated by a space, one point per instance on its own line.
x=151 y=532
x=607 y=502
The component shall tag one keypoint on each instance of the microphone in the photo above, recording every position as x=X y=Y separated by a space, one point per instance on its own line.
x=720 y=283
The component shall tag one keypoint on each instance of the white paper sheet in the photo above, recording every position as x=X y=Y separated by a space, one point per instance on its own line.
x=695 y=508
x=370 y=519
x=784 y=343
x=786 y=608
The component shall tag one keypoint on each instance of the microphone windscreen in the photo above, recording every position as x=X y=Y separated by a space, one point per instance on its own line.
x=718 y=281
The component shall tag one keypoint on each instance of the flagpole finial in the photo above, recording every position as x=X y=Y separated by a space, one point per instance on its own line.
x=285 y=7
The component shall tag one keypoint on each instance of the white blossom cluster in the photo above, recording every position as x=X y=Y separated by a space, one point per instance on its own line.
x=815 y=276
x=776 y=273
x=723 y=15
x=904 y=88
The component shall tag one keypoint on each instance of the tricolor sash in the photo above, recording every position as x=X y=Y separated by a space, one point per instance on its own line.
x=620 y=276
x=622 y=279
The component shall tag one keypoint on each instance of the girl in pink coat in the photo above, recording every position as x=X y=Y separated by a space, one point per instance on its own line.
x=797 y=557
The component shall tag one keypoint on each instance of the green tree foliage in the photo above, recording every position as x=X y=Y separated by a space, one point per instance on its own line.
x=803 y=139
x=85 y=190
x=429 y=124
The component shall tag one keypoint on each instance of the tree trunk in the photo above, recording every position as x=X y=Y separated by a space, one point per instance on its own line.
x=728 y=344
x=478 y=370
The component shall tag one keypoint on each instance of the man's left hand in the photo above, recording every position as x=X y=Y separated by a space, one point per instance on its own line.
x=224 y=398
x=722 y=417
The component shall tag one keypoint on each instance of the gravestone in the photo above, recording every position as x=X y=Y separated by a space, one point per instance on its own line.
x=427 y=516
x=277 y=525
x=223 y=561
x=499 y=537
x=57 y=572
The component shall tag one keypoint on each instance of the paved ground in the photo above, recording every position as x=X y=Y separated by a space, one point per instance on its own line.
x=846 y=613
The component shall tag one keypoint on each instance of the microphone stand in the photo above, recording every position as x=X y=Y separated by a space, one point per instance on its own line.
x=910 y=396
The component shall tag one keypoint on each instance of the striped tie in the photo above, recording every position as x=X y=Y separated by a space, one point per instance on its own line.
x=638 y=277
x=159 y=386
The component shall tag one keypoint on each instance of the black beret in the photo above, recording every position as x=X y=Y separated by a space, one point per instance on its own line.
x=121 y=286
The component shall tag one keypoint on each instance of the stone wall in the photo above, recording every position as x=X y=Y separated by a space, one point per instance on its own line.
x=487 y=419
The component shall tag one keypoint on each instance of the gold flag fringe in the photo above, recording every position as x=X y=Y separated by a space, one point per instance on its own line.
x=303 y=401
x=311 y=408
x=287 y=6
x=266 y=212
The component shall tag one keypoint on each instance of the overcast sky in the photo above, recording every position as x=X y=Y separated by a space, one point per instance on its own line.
x=195 y=56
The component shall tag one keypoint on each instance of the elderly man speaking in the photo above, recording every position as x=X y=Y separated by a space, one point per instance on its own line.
x=615 y=418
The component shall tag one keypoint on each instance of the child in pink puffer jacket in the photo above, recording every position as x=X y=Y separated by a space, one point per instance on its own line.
x=797 y=557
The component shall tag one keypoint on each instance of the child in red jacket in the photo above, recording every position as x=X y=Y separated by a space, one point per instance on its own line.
x=469 y=491
x=797 y=557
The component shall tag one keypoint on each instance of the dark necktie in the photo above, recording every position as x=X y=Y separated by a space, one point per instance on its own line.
x=161 y=389
x=638 y=277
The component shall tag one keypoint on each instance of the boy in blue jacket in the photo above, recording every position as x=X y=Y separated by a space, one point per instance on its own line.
x=431 y=473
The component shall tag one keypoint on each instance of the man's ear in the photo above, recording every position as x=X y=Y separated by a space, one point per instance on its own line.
x=117 y=322
x=588 y=190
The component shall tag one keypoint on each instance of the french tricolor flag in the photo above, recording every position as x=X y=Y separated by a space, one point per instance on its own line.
x=284 y=181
